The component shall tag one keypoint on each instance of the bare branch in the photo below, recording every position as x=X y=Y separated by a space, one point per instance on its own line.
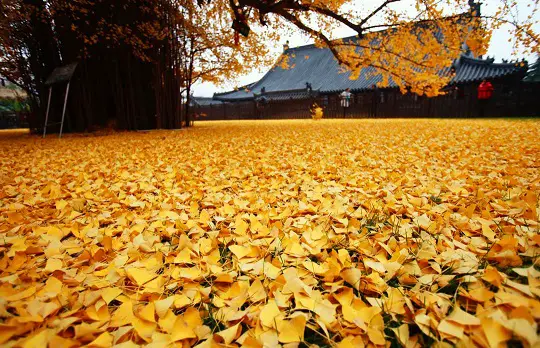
x=332 y=14
x=294 y=20
x=377 y=10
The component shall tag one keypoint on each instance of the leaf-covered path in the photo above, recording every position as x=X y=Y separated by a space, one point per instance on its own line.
x=349 y=232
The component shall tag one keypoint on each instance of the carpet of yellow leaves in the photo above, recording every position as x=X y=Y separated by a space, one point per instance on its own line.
x=279 y=233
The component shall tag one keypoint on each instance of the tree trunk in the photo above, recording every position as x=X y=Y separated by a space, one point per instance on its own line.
x=43 y=56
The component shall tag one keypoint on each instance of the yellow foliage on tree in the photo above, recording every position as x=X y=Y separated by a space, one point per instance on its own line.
x=418 y=43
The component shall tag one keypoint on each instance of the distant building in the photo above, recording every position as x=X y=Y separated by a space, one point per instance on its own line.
x=325 y=76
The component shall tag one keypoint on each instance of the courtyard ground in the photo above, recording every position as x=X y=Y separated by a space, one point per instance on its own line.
x=294 y=233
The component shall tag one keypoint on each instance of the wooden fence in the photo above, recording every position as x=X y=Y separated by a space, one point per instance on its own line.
x=507 y=101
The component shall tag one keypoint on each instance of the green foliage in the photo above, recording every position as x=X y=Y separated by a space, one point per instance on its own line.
x=14 y=105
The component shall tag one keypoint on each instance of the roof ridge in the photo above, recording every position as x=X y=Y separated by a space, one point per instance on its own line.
x=284 y=91
x=238 y=89
x=488 y=61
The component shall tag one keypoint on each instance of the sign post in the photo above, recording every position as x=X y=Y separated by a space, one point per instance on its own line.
x=47 y=114
x=59 y=75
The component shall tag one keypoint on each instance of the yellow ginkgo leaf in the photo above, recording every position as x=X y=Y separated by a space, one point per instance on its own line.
x=110 y=294
x=291 y=331
x=140 y=276
x=182 y=330
x=352 y=276
x=148 y=313
x=461 y=317
x=229 y=335
x=123 y=315
x=144 y=329
x=496 y=333
x=162 y=306
x=102 y=341
x=53 y=265
x=269 y=313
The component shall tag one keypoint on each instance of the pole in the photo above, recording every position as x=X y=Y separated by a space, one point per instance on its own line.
x=47 y=114
x=64 y=111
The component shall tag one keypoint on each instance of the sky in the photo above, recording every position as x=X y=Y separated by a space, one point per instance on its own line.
x=500 y=48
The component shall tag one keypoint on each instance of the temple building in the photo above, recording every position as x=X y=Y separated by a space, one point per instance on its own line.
x=315 y=76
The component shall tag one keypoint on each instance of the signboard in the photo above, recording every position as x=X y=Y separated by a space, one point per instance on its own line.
x=61 y=74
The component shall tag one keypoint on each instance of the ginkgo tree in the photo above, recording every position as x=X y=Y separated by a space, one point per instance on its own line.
x=212 y=52
x=417 y=44
x=136 y=58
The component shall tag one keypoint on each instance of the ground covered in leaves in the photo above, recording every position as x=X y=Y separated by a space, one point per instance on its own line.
x=279 y=233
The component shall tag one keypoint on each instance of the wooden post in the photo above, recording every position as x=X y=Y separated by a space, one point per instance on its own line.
x=47 y=114
x=64 y=110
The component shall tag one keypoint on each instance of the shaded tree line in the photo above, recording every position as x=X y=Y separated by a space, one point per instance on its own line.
x=136 y=59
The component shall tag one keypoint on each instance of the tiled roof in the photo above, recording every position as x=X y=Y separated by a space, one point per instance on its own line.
x=317 y=66
x=240 y=93
x=472 y=69
x=307 y=64
x=203 y=101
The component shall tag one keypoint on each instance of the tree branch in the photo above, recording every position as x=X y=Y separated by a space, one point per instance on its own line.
x=377 y=10
x=339 y=18
x=294 y=20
